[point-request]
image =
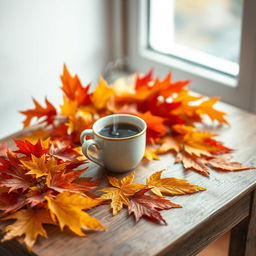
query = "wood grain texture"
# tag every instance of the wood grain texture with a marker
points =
(204, 217)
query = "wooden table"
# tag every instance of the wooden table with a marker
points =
(228, 204)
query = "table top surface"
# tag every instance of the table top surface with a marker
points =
(125, 237)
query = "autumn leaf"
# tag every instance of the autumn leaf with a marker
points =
(3, 149)
(11, 201)
(121, 190)
(27, 148)
(190, 136)
(49, 112)
(206, 108)
(149, 206)
(29, 223)
(155, 125)
(196, 151)
(73, 88)
(64, 151)
(170, 186)
(151, 153)
(41, 166)
(223, 163)
(68, 208)
(193, 162)
(101, 94)
(168, 143)
(144, 80)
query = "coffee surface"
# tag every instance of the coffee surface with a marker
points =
(120, 130)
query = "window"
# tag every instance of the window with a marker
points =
(204, 32)
(213, 43)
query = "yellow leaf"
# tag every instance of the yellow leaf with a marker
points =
(206, 108)
(41, 134)
(68, 209)
(29, 223)
(171, 186)
(123, 189)
(69, 107)
(151, 153)
(101, 94)
(40, 166)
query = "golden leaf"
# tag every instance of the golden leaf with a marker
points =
(29, 223)
(123, 189)
(168, 144)
(40, 166)
(171, 186)
(101, 94)
(68, 209)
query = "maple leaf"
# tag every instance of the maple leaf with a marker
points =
(201, 140)
(29, 223)
(49, 112)
(35, 197)
(73, 88)
(36, 135)
(151, 153)
(3, 149)
(155, 125)
(196, 151)
(64, 151)
(193, 162)
(68, 208)
(11, 201)
(144, 80)
(148, 205)
(171, 186)
(40, 166)
(223, 163)
(206, 108)
(101, 94)
(168, 143)
(27, 148)
(122, 190)
(13, 177)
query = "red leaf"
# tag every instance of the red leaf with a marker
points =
(63, 151)
(148, 205)
(49, 112)
(10, 202)
(143, 81)
(27, 148)
(3, 149)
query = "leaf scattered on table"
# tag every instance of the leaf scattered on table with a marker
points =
(149, 206)
(29, 223)
(170, 186)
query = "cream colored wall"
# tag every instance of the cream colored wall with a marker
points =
(36, 38)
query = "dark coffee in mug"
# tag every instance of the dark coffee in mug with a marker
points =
(120, 130)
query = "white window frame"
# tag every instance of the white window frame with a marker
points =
(240, 91)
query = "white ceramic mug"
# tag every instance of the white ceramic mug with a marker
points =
(115, 154)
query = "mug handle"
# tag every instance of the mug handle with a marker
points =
(87, 144)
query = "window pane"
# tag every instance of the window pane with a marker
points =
(205, 32)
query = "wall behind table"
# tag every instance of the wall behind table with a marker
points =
(36, 38)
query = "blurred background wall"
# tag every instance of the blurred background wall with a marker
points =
(36, 38)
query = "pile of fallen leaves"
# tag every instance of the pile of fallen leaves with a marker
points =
(41, 183)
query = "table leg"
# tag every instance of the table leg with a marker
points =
(243, 236)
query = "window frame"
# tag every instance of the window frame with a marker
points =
(240, 92)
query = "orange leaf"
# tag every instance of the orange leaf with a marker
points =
(49, 112)
(206, 108)
(73, 88)
(68, 208)
(171, 186)
(29, 223)
(151, 153)
(192, 162)
(122, 190)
